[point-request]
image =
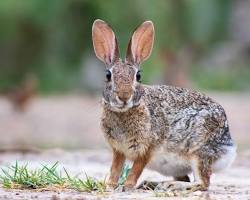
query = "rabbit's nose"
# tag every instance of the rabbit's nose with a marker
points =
(124, 96)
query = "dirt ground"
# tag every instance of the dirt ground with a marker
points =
(233, 183)
(72, 122)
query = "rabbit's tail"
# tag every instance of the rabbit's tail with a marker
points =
(226, 159)
(228, 148)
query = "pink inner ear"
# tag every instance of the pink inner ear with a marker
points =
(142, 42)
(103, 41)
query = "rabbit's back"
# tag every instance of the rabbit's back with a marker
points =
(187, 119)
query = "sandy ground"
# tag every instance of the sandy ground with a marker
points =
(233, 183)
(72, 122)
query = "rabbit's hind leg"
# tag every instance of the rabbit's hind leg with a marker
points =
(202, 170)
(152, 185)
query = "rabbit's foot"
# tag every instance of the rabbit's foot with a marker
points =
(179, 186)
(151, 185)
(111, 186)
(125, 188)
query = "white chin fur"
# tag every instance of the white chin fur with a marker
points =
(226, 160)
(118, 108)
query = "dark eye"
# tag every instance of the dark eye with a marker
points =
(138, 76)
(108, 75)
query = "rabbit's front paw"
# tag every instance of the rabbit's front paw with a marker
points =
(129, 187)
(125, 188)
(180, 187)
(111, 186)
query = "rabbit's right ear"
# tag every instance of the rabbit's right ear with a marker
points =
(104, 42)
(141, 43)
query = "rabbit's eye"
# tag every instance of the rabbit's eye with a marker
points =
(108, 75)
(138, 76)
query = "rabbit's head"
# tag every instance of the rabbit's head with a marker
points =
(122, 89)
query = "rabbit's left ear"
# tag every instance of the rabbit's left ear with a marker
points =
(141, 43)
(104, 42)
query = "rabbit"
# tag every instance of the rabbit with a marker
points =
(188, 128)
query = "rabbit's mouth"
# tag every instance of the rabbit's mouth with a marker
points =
(121, 107)
(116, 105)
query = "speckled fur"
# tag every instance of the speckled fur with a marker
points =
(182, 122)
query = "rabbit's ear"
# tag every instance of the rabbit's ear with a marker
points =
(104, 42)
(141, 43)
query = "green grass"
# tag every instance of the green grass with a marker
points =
(21, 177)
(124, 174)
(17, 176)
(88, 185)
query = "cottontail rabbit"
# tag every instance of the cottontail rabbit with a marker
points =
(138, 120)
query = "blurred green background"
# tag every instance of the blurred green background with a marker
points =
(51, 80)
(199, 43)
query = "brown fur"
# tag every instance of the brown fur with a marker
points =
(116, 168)
(137, 168)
